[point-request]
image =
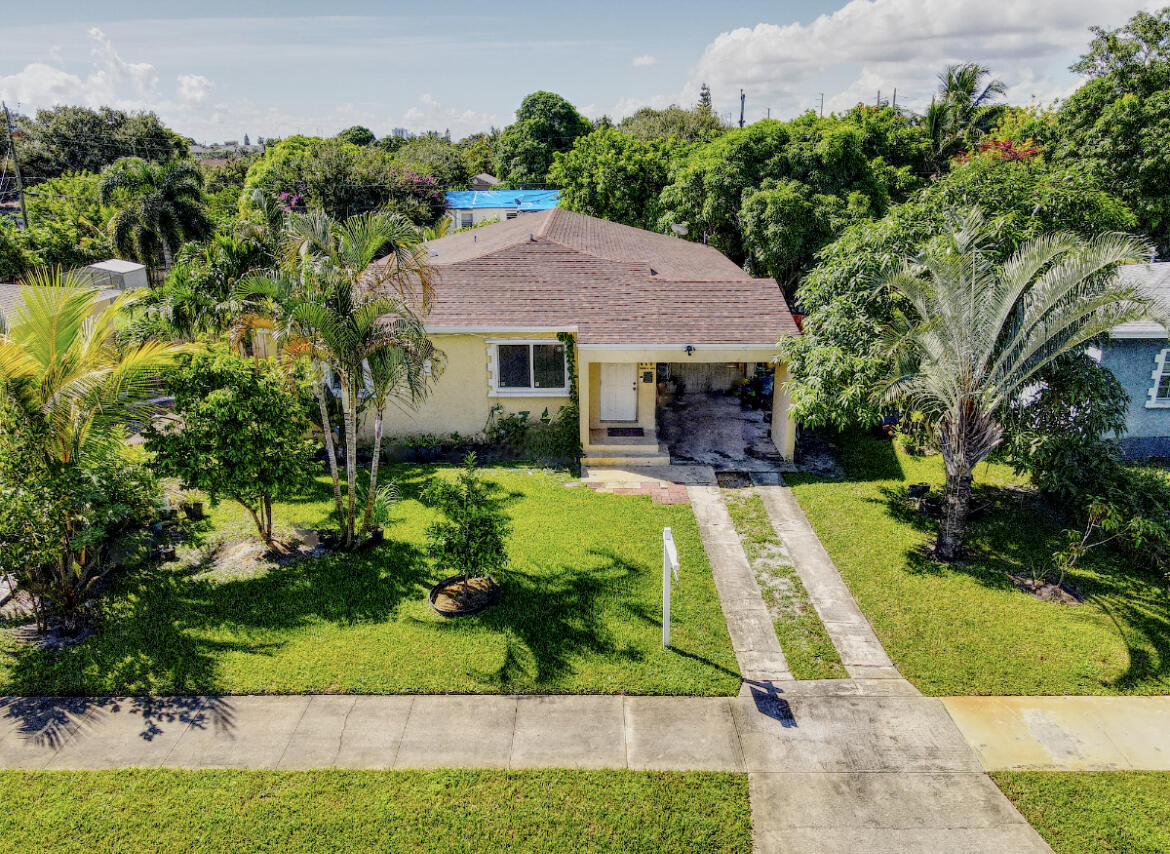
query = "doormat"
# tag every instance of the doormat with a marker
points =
(624, 432)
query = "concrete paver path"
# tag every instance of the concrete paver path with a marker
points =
(861, 652)
(1066, 733)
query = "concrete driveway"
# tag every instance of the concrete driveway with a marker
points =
(712, 429)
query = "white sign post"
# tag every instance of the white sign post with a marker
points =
(669, 567)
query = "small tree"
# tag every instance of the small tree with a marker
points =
(472, 538)
(242, 435)
(976, 335)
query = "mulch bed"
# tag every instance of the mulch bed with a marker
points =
(1049, 590)
(456, 596)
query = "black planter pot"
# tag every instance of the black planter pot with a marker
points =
(193, 509)
(487, 602)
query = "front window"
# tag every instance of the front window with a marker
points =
(1160, 390)
(466, 220)
(531, 367)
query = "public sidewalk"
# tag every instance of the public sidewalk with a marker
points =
(831, 725)
(1066, 733)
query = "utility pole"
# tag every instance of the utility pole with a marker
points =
(821, 111)
(741, 98)
(894, 103)
(15, 164)
(878, 102)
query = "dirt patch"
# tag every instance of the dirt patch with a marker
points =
(1048, 589)
(733, 479)
(458, 596)
(815, 454)
(248, 557)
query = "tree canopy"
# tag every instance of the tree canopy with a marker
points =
(79, 139)
(839, 359)
(1118, 123)
(344, 179)
(772, 193)
(616, 176)
(545, 124)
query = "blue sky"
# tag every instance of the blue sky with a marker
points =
(274, 69)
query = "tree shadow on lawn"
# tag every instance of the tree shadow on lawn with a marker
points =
(1017, 533)
(550, 619)
(153, 638)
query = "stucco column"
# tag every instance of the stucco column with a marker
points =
(584, 390)
(783, 427)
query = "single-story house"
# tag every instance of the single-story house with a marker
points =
(484, 181)
(471, 207)
(636, 304)
(116, 273)
(12, 303)
(1138, 354)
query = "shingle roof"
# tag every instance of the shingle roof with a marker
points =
(612, 283)
(1154, 279)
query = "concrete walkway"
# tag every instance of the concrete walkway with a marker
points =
(753, 637)
(836, 726)
(861, 652)
(835, 765)
(1066, 733)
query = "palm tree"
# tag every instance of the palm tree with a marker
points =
(357, 318)
(159, 207)
(963, 109)
(976, 334)
(60, 364)
(63, 373)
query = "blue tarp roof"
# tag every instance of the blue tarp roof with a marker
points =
(522, 200)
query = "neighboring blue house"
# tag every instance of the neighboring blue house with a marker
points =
(1138, 354)
(471, 207)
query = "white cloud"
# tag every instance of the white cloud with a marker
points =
(114, 81)
(429, 114)
(642, 61)
(194, 88)
(871, 45)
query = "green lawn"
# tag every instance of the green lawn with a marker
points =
(581, 611)
(1102, 812)
(360, 811)
(965, 628)
(807, 647)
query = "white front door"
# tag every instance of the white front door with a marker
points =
(619, 391)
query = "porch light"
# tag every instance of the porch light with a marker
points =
(690, 348)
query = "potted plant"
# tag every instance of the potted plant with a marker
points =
(427, 447)
(385, 497)
(191, 506)
(470, 540)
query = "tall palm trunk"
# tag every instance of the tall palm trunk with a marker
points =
(349, 416)
(330, 451)
(166, 250)
(373, 469)
(956, 506)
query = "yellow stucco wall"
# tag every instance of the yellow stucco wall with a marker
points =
(460, 398)
(589, 360)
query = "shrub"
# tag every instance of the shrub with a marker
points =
(243, 435)
(57, 525)
(472, 537)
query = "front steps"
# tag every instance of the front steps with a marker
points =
(604, 450)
